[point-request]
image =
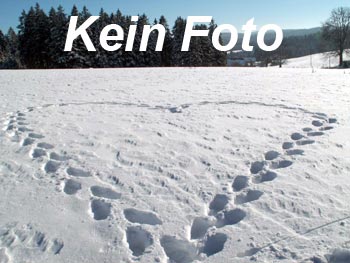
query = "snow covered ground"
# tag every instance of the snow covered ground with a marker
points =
(175, 165)
(321, 60)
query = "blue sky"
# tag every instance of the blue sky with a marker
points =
(289, 14)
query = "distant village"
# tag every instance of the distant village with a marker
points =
(240, 58)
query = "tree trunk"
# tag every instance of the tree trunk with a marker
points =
(341, 60)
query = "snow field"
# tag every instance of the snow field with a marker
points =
(231, 175)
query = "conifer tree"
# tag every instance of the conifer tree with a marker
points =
(100, 57)
(34, 34)
(141, 58)
(87, 58)
(58, 30)
(73, 57)
(178, 57)
(13, 56)
(200, 49)
(118, 58)
(79, 57)
(153, 58)
(26, 22)
(216, 57)
(3, 50)
(167, 48)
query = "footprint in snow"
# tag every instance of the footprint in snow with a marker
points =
(314, 134)
(287, 145)
(218, 203)
(317, 123)
(11, 127)
(267, 176)
(35, 136)
(37, 153)
(271, 155)
(45, 145)
(240, 182)
(101, 210)
(24, 129)
(295, 152)
(200, 226)
(327, 128)
(179, 251)
(57, 157)
(256, 167)
(138, 239)
(214, 244)
(296, 136)
(332, 120)
(28, 141)
(307, 129)
(22, 123)
(76, 172)
(305, 142)
(280, 164)
(51, 166)
(141, 217)
(104, 192)
(249, 196)
(71, 187)
(231, 217)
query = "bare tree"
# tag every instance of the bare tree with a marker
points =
(336, 30)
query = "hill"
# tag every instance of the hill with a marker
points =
(286, 32)
(320, 60)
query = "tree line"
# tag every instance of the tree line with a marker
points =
(39, 43)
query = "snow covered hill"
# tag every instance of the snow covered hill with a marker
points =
(175, 165)
(322, 60)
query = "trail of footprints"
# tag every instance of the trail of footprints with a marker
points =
(13, 236)
(43, 151)
(205, 231)
(138, 239)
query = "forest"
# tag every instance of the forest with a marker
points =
(38, 43)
